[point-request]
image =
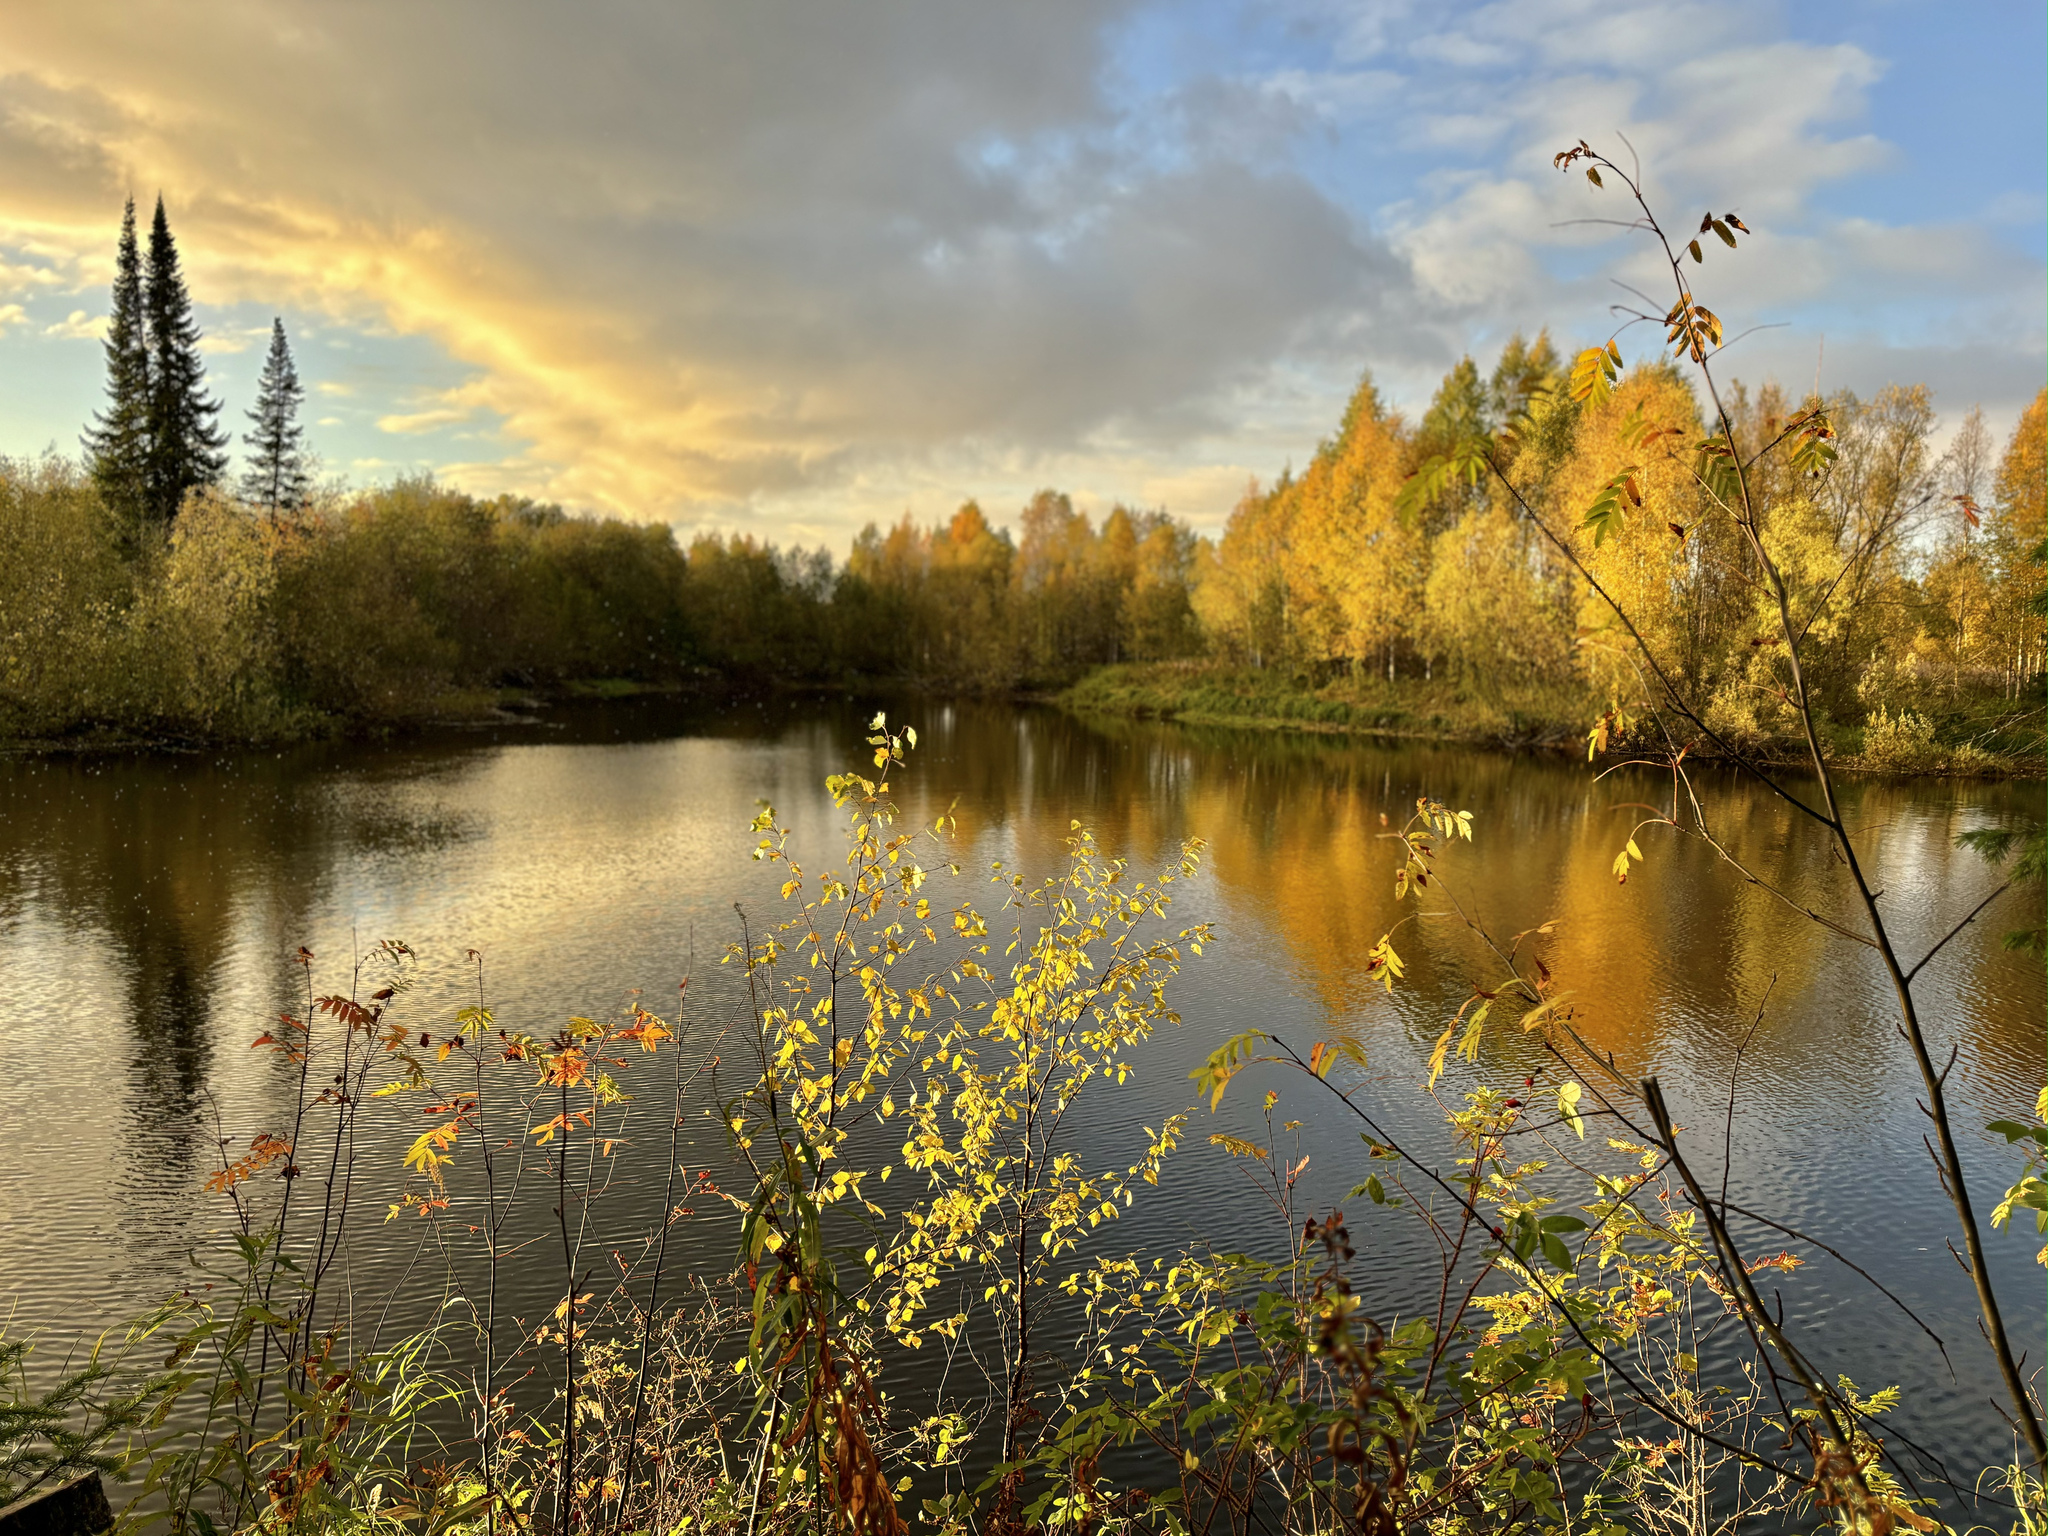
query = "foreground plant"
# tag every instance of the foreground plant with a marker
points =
(867, 994)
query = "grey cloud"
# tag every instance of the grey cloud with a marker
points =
(710, 259)
(783, 230)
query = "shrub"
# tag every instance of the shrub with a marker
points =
(1901, 743)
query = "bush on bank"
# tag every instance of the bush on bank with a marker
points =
(407, 602)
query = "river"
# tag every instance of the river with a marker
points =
(151, 908)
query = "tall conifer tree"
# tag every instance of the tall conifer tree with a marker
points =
(185, 442)
(276, 475)
(117, 442)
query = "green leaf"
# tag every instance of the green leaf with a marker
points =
(1812, 450)
(1714, 464)
(1609, 511)
(1555, 1251)
(1593, 176)
(1527, 1236)
(1423, 487)
(2014, 1130)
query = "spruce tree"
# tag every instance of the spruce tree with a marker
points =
(185, 442)
(117, 442)
(276, 475)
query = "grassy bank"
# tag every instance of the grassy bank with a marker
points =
(1986, 739)
(1216, 693)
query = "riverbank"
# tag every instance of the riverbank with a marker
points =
(1544, 717)
(435, 710)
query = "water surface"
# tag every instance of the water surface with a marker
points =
(151, 907)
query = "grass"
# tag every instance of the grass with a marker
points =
(1983, 739)
(1440, 709)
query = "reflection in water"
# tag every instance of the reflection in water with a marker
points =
(168, 971)
(151, 908)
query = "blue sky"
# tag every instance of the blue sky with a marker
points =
(784, 268)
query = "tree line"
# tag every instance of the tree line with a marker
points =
(1392, 556)
(143, 592)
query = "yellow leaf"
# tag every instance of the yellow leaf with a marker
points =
(1436, 1057)
(1568, 1107)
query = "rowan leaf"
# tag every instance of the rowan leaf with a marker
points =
(430, 1152)
(1225, 1062)
(1237, 1146)
(1441, 1050)
(1381, 961)
(1608, 514)
(1593, 374)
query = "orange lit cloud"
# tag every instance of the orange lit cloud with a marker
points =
(797, 266)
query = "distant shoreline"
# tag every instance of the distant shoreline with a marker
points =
(1200, 695)
(1220, 697)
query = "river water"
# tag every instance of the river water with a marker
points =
(151, 907)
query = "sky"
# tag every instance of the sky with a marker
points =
(785, 268)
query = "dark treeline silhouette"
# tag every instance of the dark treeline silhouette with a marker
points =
(158, 438)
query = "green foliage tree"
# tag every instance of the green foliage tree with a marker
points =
(276, 477)
(117, 442)
(186, 444)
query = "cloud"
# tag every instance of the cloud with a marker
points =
(1734, 115)
(26, 277)
(12, 314)
(78, 326)
(725, 255)
(802, 265)
(444, 408)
